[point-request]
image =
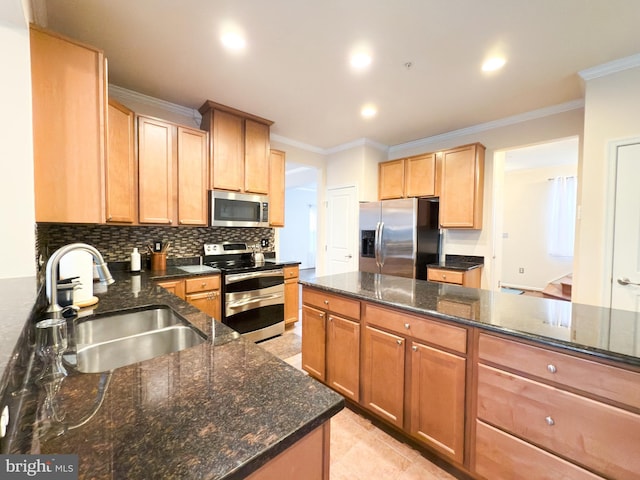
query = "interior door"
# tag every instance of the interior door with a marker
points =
(625, 286)
(342, 230)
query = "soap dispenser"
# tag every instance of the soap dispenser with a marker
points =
(135, 260)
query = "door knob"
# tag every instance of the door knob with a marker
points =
(626, 281)
(348, 256)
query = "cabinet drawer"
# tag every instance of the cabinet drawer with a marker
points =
(334, 303)
(290, 272)
(601, 437)
(500, 456)
(445, 276)
(202, 284)
(605, 381)
(444, 335)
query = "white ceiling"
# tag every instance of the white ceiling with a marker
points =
(295, 70)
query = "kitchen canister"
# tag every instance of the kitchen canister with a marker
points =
(78, 263)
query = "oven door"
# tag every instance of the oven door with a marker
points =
(254, 303)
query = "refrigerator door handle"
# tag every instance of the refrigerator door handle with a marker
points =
(379, 230)
(375, 245)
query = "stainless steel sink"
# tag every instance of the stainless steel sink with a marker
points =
(116, 340)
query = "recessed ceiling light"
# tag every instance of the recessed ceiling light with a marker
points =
(493, 64)
(360, 60)
(369, 111)
(234, 41)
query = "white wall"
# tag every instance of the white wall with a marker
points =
(612, 106)
(527, 132)
(527, 204)
(295, 237)
(17, 211)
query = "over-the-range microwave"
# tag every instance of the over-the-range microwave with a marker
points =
(231, 209)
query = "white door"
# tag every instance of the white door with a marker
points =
(342, 230)
(625, 285)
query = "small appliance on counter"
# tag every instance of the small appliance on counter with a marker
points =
(252, 290)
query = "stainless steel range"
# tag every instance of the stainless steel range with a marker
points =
(252, 290)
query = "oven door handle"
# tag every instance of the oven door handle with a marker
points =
(256, 299)
(238, 277)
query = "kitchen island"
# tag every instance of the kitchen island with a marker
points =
(224, 409)
(493, 383)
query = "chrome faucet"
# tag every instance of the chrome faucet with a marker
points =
(51, 276)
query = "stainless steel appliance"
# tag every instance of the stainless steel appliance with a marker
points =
(231, 209)
(399, 237)
(252, 291)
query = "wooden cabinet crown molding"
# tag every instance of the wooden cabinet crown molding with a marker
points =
(211, 105)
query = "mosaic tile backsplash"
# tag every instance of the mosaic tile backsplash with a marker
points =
(116, 242)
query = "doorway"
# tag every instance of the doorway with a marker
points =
(527, 230)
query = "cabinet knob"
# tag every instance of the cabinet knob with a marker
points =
(551, 368)
(407, 326)
(414, 348)
(322, 315)
(444, 276)
(399, 342)
(109, 219)
(549, 421)
(326, 302)
(204, 284)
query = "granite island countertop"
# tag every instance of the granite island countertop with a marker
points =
(219, 410)
(602, 332)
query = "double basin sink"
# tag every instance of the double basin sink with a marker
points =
(114, 340)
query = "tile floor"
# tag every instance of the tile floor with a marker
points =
(362, 451)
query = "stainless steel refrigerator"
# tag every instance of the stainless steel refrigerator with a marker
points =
(399, 237)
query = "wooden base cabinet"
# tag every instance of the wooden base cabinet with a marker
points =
(314, 342)
(291, 294)
(343, 356)
(467, 278)
(438, 399)
(203, 292)
(383, 366)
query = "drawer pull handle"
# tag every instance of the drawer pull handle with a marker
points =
(551, 368)
(549, 421)
(399, 342)
(407, 326)
(414, 348)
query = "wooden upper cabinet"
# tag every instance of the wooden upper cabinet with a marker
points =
(227, 141)
(192, 176)
(256, 151)
(121, 166)
(239, 148)
(69, 104)
(391, 179)
(408, 177)
(156, 166)
(276, 186)
(420, 176)
(462, 187)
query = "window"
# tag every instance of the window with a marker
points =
(563, 216)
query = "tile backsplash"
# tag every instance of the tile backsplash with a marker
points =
(116, 242)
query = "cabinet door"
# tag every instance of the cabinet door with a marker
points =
(420, 176)
(192, 176)
(276, 188)
(228, 151)
(462, 187)
(174, 286)
(383, 374)
(313, 342)
(391, 179)
(207, 302)
(155, 164)
(291, 302)
(437, 399)
(121, 166)
(256, 150)
(69, 104)
(343, 356)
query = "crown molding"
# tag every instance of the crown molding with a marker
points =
(609, 68)
(125, 94)
(503, 122)
(300, 145)
(360, 142)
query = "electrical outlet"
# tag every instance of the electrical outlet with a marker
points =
(521, 270)
(264, 243)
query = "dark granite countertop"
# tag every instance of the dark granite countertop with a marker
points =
(602, 332)
(218, 410)
(459, 262)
